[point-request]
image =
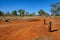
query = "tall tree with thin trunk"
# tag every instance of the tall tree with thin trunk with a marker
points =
(14, 13)
(7, 14)
(1, 13)
(22, 12)
(42, 13)
(55, 9)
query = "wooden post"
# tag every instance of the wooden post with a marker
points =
(50, 24)
(44, 21)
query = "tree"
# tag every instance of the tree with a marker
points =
(46, 14)
(7, 14)
(21, 11)
(30, 14)
(27, 14)
(41, 12)
(1, 13)
(14, 13)
(55, 9)
(33, 13)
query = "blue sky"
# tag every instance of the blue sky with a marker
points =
(27, 5)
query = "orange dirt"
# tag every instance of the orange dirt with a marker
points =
(29, 29)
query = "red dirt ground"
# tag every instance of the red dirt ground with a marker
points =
(29, 29)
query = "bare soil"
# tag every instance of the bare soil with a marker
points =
(30, 29)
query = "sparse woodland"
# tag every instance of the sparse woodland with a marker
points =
(55, 11)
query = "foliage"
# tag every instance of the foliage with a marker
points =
(32, 14)
(14, 13)
(1, 13)
(21, 11)
(27, 14)
(42, 13)
(55, 8)
(8, 14)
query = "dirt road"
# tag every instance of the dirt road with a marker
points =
(28, 30)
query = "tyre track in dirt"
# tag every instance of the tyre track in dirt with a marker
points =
(18, 32)
(28, 30)
(19, 35)
(7, 36)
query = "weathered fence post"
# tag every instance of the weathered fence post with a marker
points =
(50, 24)
(44, 21)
